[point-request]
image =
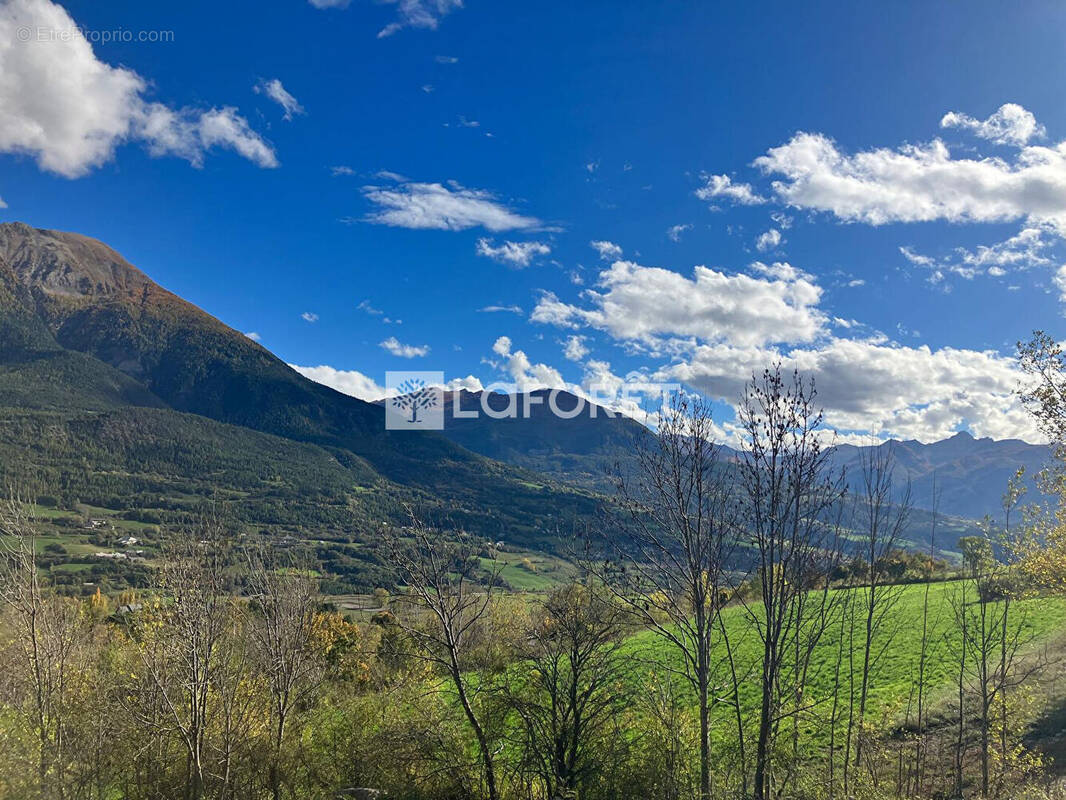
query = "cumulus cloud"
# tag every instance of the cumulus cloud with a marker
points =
(517, 254)
(880, 388)
(255, 337)
(425, 14)
(438, 207)
(526, 375)
(575, 348)
(722, 186)
(309, 316)
(350, 382)
(397, 348)
(919, 183)
(70, 111)
(1010, 124)
(768, 240)
(719, 329)
(645, 303)
(275, 91)
(607, 250)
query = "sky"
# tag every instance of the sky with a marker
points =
(574, 194)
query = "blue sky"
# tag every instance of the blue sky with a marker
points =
(356, 183)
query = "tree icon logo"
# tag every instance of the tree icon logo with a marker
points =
(415, 397)
(415, 401)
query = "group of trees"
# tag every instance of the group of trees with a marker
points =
(723, 636)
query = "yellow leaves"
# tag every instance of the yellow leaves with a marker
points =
(332, 633)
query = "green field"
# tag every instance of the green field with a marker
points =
(893, 675)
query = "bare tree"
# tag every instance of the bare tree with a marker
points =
(567, 698)
(670, 546)
(182, 642)
(923, 651)
(50, 630)
(789, 498)
(883, 519)
(283, 636)
(441, 578)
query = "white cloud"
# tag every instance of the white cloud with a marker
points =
(397, 348)
(70, 111)
(255, 337)
(1059, 279)
(309, 316)
(496, 309)
(365, 305)
(518, 254)
(575, 348)
(919, 183)
(768, 240)
(1024, 250)
(355, 383)
(446, 60)
(719, 330)
(2, 203)
(1027, 249)
(425, 14)
(879, 388)
(607, 250)
(350, 382)
(341, 170)
(783, 220)
(524, 374)
(1010, 124)
(674, 232)
(275, 91)
(438, 207)
(329, 3)
(916, 258)
(469, 384)
(716, 186)
(644, 303)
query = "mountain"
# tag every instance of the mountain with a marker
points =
(970, 474)
(576, 445)
(83, 332)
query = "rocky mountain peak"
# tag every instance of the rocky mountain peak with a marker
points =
(68, 265)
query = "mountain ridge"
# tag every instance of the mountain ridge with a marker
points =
(72, 295)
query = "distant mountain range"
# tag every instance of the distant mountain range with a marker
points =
(117, 393)
(970, 475)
